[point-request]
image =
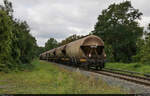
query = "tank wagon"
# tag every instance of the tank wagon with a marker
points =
(87, 52)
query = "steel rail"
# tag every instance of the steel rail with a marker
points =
(128, 77)
(125, 77)
(127, 71)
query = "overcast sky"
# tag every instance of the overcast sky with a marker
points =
(61, 18)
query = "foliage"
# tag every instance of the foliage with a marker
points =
(118, 27)
(140, 46)
(108, 51)
(5, 40)
(26, 44)
(39, 50)
(50, 44)
(143, 55)
(17, 45)
(47, 78)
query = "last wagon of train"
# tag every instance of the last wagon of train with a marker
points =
(85, 52)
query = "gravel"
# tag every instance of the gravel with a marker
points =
(126, 86)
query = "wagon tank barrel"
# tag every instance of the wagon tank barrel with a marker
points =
(89, 49)
(81, 48)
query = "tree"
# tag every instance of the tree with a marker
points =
(17, 45)
(143, 48)
(7, 8)
(39, 50)
(145, 58)
(118, 27)
(147, 33)
(50, 44)
(5, 40)
(26, 43)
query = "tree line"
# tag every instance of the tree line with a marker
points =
(17, 45)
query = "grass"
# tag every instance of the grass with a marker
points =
(47, 78)
(137, 67)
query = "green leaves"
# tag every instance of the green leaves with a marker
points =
(17, 45)
(50, 44)
(143, 50)
(118, 27)
(5, 39)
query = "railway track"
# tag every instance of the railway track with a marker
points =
(135, 77)
(131, 76)
(128, 77)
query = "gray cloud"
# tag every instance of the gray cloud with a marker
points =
(62, 18)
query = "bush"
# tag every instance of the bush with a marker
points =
(143, 55)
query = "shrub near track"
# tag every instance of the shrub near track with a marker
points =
(47, 78)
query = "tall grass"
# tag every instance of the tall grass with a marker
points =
(47, 78)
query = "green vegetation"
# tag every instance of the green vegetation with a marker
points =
(47, 78)
(118, 27)
(143, 55)
(137, 67)
(17, 45)
(5, 40)
(50, 44)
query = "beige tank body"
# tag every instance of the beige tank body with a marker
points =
(43, 55)
(73, 49)
(51, 52)
(59, 50)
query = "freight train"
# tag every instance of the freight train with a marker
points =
(85, 52)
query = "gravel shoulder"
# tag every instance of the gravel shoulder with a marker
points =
(125, 85)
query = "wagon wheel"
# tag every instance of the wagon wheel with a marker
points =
(87, 66)
(71, 61)
(76, 62)
(97, 67)
(100, 68)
